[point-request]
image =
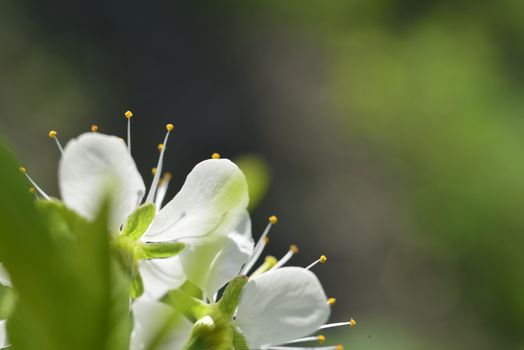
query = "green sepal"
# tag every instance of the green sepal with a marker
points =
(239, 341)
(139, 221)
(137, 286)
(210, 333)
(192, 308)
(159, 250)
(214, 329)
(231, 297)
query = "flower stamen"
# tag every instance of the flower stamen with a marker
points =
(332, 301)
(215, 156)
(154, 185)
(293, 249)
(351, 323)
(40, 191)
(33, 191)
(94, 128)
(53, 134)
(128, 115)
(162, 190)
(322, 260)
(320, 338)
(333, 347)
(259, 247)
(268, 264)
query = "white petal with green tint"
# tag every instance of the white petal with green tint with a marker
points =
(281, 305)
(235, 252)
(211, 202)
(211, 262)
(91, 165)
(149, 317)
(160, 275)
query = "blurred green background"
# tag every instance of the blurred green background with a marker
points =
(392, 129)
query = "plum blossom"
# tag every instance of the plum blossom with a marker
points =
(277, 306)
(208, 214)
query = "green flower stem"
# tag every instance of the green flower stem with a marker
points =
(194, 309)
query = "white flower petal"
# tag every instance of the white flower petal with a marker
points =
(149, 317)
(281, 305)
(160, 275)
(211, 201)
(211, 262)
(90, 164)
(4, 342)
(237, 249)
(5, 279)
(197, 257)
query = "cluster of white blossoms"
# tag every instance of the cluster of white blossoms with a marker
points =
(194, 256)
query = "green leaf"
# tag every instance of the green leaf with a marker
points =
(231, 297)
(138, 222)
(61, 221)
(71, 294)
(160, 250)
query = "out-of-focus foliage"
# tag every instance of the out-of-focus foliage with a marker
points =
(70, 293)
(437, 88)
(258, 176)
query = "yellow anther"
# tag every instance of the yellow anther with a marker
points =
(52, 134)
(32, 190)
(339, 347)
(321, 338)
(170, 127)
(332, 301)
(270, 260)
(352, 322)
(293, 248)
(22, 170)
(128, 114)
(94, 128)
(265, 239)
(273, 219)
(153, 171)
(323, 259)
(165, 178)
(215, 156)
(160, 146)
(267, 265)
